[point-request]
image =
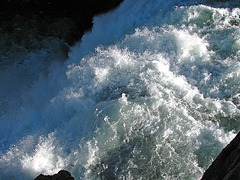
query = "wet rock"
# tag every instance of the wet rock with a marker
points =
(50, 26)
(61, 175)
(227, 164)
(49, 16)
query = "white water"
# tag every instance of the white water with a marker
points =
(151, 93)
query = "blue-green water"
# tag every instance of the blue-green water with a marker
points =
(152, 92)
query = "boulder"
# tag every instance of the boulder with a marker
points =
(61, 175)
(227, 164)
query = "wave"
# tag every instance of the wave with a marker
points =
(151, 92)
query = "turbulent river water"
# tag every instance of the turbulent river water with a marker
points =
(152, 92)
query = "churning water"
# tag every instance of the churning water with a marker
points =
(153, 92)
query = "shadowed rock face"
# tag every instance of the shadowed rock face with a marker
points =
(61, 175)
(78, 13)
(40, 25)
(227, 165)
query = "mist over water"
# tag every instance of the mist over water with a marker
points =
(151, 93)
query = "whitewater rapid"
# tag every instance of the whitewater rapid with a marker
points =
(152, 92)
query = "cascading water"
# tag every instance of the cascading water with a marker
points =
(153, 92)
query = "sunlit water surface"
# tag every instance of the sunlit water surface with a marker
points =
(153, 92)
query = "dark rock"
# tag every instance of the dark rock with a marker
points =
(227, 164)
(51, 26)
(61, 175)
(45, 12)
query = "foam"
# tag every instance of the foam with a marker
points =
(154, 97)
